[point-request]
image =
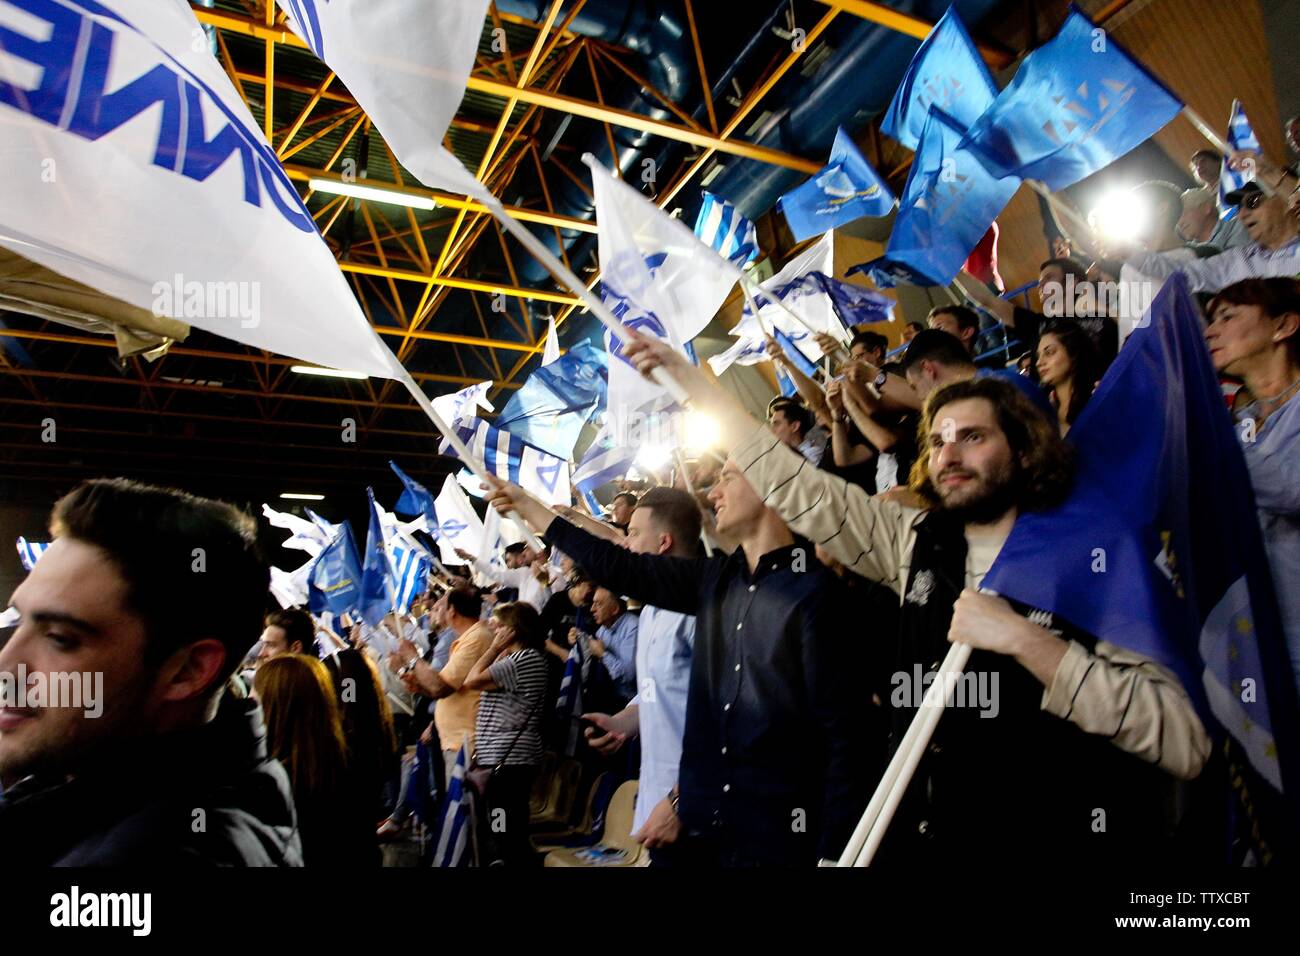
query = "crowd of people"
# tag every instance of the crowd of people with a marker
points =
(742, 641)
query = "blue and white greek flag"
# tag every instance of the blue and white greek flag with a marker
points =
(1241, 136)
(568, 706)
(604, 461)
(453, 829)
(721, 226)
(512, 459)
(29, 551)
(410, 573)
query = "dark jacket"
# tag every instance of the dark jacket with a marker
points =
(204, 797)
(778, 748)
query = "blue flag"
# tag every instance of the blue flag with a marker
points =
(376, 597)
(785, 383)
(510, 458)
(1241, 136)
(722, 228)
(854, 304)
(568, 705)
(453, 830)
(800, 361)
(947, 72)
(415, 500)
(548, 412)
(334, 583)
(947, 207)
(847, 188)
(1077, 104)
(1158, 548)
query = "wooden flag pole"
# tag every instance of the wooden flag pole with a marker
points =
(1222, 146)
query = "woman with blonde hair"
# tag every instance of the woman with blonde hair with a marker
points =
(304, 731)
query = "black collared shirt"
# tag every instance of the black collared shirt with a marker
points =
(778, 748)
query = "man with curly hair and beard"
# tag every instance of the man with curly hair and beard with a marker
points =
(1070, 748)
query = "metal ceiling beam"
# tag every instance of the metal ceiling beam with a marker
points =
(553, 101)
(474, 285)
(911, 25)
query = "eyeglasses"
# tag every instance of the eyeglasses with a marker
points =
(1253, 200)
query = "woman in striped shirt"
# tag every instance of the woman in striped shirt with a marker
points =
(512, 676)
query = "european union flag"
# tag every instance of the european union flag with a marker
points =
(548, 412)
(1077, 104)
(947, 207)
(334, 582)
(947, 72)
(1241, 136)
(846, 189)
(415, 500)
(1158, 549)
(376, 597)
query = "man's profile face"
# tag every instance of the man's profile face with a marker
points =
(604, 608)
(736, 505)
(947, 322)
(643, 537)
(74, 622)
(860, 353)
(1205, 170)
(784, 429)
(274, 643)
(971, 462)
(621, 510)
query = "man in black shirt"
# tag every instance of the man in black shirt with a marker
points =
(777, 752)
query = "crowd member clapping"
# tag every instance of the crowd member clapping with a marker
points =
(304, 731)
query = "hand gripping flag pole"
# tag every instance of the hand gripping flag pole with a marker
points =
(753, 307)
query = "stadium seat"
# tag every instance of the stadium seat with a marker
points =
(617, 839)
(562, 793)
(542, 785)
(590, 827)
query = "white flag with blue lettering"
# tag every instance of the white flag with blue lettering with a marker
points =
(512, 459)
(131, 165)
(406, 62)
(459, 525)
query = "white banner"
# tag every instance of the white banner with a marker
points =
(459, 525)
(130, 164)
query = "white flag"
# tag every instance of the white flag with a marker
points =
(463, 404)
(552, 350)
(289, 588)
(307, 535)
(656, 277)
(131, 165)
(406, 63)
(459, 525)
(497, 533)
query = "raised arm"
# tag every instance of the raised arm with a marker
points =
(809, 390)
(996, 306)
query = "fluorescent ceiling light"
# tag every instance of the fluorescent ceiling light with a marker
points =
(326, 372)
(357, 191)
(297, 496)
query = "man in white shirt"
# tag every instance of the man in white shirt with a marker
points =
(525, 571)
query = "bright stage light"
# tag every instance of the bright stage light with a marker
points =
(1120, 216)
(702, 431)
(301, 496)
(326, 372)
(357, 191)
(654, 456)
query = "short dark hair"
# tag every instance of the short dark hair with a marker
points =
(1275, 296)
(156, 538)
(628, 496)
(792, 410)
(525, 620)
(1043, 459)
(869, 340)
(1156, 191)
(1206, 153)
(935, 345)
(466, 602)
(967, 318)
(677, 512)
(515, 548)
(297, 626)
(917, 326)
(1068, 266)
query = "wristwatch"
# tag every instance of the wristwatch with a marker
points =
(407, 667)
(879, 381)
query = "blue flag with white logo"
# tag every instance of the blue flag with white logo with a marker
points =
(722, 228)
(334, 582)
(556, 400)
(1158, 549)
(512, 459)
(415, 499)
(376, 597)
(1077, 104)
(947, 72)
(1241, 136)
(847, 188)
(947, 207)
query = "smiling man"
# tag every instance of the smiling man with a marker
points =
(174, 771)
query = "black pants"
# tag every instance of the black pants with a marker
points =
(505, 830)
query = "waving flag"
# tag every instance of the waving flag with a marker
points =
(947, 72)
(846, 189)
(306, 535)
(411, 565)
(406, 63)
(29, 551)
(376, 597)
(1163, 499)
(498, 532)
(454, 828)
(194, 217)
(334, 582)
(797, 358)
(568, 705)
(290, 588)
(551, 352)
(605, 460)
(556, 400)
(1241, 136)
(420, 797)
(415, 499)
(947, 207)
(656, 277)
(1077, 104)
(463, 404)
(459, 525)
(723, 229)
(510, 458)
